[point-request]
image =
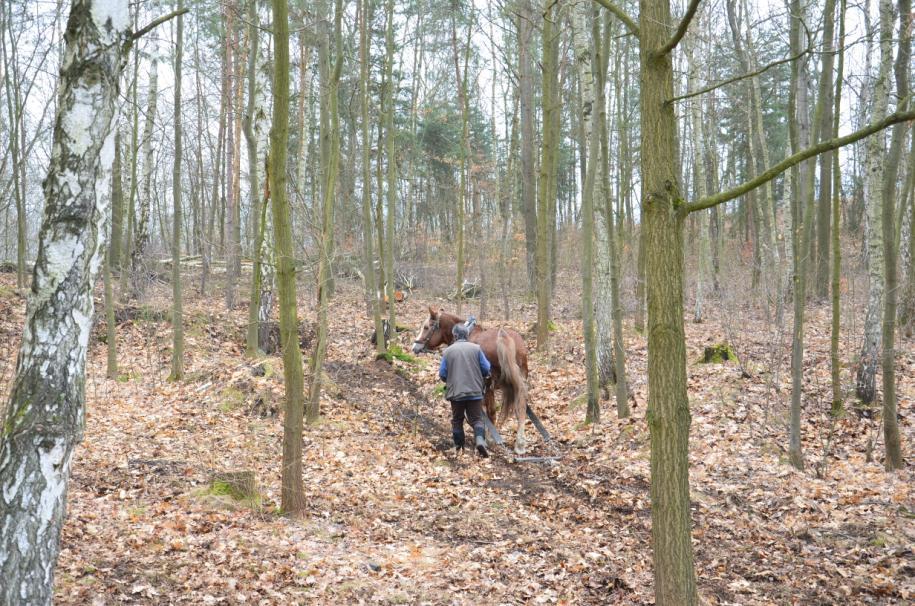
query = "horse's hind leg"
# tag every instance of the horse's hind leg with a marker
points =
(489, 406)
(520, 410)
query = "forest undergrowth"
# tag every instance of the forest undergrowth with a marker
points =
(394, 517)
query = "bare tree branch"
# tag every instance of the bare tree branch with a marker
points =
(681, 29)
(628, 21)
(718, 85)
(800, 156)
(156, 23)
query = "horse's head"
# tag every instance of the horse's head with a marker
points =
(432, 333)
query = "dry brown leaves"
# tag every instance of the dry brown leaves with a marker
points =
(394, 518)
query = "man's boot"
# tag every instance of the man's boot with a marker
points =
(458, 437)
(480, 440)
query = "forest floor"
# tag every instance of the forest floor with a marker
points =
(394, 517)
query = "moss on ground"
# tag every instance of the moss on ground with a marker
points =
(718, 354)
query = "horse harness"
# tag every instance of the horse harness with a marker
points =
(425, 342)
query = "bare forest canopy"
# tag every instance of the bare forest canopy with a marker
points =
(697, 215)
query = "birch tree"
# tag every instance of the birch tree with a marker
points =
(866, 375)
(888, 192)
(44, 417)
(611, 353)
(836, 216)
(581, 10)
(255, 127)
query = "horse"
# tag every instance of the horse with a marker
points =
(507, 354)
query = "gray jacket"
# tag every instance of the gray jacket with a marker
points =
(463, 367)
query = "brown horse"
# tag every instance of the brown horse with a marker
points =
(507, 354)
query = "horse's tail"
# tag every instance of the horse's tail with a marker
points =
(511, 374)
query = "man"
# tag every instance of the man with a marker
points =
(464, 368)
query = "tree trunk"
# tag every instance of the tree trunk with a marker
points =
(15, 138)
(835, 362)
(711, 176)
(371, 285)
(614, 234)
(177, 373)
(117, 204)
(505, 191)
(603, 228)
(116, 201)
(232, 253)
(313, 411)
(216, 170)
(252, 126)
(802, 217)
(668, 413)
(866, 376)
(581, 11)
(766, 243)
(698, 136)
(391, 174)
(528, 139)
(306, 77)
(891, 440)
(138, 272)
(547, 176)
(825, 200)
(639, 320)
(45, 414)
(125, 262)
(907, 306)
(461, 80)
(293, 491)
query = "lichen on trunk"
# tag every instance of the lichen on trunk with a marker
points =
(43, 420)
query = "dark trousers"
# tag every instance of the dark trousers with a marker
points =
(474, 411)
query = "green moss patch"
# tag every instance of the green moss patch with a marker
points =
(718, 354)
(395, 352)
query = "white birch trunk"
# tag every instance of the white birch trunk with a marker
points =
(603, 307)
(44, 418)
(583, 59)
(261, 133)
(866, 376)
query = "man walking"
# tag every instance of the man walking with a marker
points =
(464, 368)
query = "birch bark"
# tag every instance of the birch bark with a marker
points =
(583, 56)
(866, 375)
(43, 420)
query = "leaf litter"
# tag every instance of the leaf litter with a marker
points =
(394, 517)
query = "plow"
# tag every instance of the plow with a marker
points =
(541, 429)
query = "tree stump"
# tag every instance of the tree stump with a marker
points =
(239, 485)
(718, 354)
